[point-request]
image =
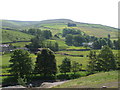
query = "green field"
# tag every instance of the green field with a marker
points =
(21, 44)
(10, 36)
(108, 79)
(59, 57)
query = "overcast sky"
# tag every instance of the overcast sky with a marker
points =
(103, 12)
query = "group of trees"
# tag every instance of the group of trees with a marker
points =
(99, 43)
(70, 31)
(76, 37)
(71, 25)
(22, 65)
(45, 65)
(104, 61)
(75, 40)
(47, 34)
(40, 40)
(78, 40)
(53, 45)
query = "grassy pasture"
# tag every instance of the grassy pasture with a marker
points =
(61, 43)
(90, 29)
(98, 32)
(85, 53)
(109, 79)
(10, 36)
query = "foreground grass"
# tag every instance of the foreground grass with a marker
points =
(109, 79)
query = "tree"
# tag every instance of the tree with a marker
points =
(116, 44)
(34, 31)
(56, 46)
(71, 25)
(76, 67)
(106, 59)
(21, 63)
(108, 36)
(92, 65)
(78, 40)
(97, 44)
(110, 44)
(69, 39)
(118, 61)
(70, 31)
(36, 42)
(47, 34)
(46, 63)
(103, 42)
(53, 45)
(65, 66)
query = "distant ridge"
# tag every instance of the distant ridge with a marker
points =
(19, 24)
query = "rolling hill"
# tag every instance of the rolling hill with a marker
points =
(56, 26)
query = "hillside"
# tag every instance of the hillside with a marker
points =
(109, 79)
(13, 24)
(56, 26)
(10, 36)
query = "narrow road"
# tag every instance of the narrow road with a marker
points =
(50, 85)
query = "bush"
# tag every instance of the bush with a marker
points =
(22, 81)
(81, 55)
(8, 81)
(71, 75)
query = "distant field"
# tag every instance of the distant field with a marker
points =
(75, 52)
(98, 32)
(108, 79)
(21, 44)
(94, 30)
(61, 43)
(10, 36)
(81, 60)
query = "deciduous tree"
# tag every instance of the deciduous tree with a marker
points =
(46, 63)
(21, 63)
(65, 66)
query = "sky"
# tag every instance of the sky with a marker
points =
(103, 12)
